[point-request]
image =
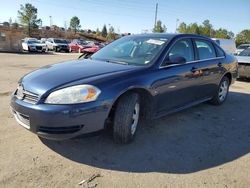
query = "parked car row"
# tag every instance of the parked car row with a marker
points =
(60, 45)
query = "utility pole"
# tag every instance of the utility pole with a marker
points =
(156, 12)
(177, 20)
(50, 20)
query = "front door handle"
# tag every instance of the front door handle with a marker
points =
(219, 64)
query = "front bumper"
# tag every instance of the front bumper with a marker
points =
(244, 70)
(37, 48)
(60, 121)
(62, 48)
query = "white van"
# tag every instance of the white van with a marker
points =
(227, 44)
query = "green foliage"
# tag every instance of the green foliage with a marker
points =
(98, 33)
(159, 28)
(206, 29)
(223, 33)
(28, 17)
(15, 25)
(111, 34)
(104, 31)
(75, 24)
(243, 37)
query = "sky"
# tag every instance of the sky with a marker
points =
(136, 16)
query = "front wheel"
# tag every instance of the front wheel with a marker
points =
(126, 118)
(222, 92)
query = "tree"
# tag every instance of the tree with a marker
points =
(111, 34)
(223, 33)
(159, 28)
(182, 28)
(243, 37)
(75, 24)
(28, 17)
(98, 33)
(205, 29)
(6, 24)
(10, 21)
(193, 28)
(104, 31)
(15, 25)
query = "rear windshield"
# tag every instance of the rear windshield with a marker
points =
(245, 53)
(243, 47)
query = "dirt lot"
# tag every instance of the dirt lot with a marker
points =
(205, 146)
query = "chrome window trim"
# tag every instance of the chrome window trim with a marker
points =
(189, 62)
(196, 61)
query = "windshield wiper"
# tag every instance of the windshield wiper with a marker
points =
(117, 62)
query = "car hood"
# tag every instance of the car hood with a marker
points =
(243, 59)
(52, 76)
(36, 44)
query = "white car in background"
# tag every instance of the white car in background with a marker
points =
(226, 44)
(241, 48)
(33, 45)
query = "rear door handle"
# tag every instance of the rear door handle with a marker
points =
(194, 69)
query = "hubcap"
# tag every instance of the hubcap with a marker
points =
(135, 118)
(223, 90)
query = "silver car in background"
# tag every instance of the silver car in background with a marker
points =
(241, 48)
(244, 63)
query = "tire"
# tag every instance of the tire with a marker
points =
(222, 92)
(126, 118)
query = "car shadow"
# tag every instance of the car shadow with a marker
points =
(243, 80)
(29, 53)
(195, 139)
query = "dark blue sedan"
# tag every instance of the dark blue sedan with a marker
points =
(136, 77)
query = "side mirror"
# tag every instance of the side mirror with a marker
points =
(174, 59)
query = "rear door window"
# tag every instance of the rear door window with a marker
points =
(220, 52)
(205, 49)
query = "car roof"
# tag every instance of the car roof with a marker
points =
(169, 35)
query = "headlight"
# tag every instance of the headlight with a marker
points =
(73, 95)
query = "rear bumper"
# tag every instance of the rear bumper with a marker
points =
(244, 70)
(60, 121)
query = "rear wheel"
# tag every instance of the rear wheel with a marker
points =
(222, 92)
(126, 118)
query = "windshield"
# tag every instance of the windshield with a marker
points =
(131, 50)
(32, 41)
(245, 53)
(60, 41)
(82, 42)
(242, 47)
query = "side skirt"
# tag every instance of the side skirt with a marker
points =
(164, 113)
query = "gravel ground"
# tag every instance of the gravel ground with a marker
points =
(204, 146)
